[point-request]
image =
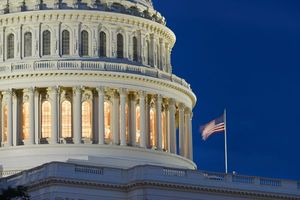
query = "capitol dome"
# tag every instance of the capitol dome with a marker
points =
(90, 81)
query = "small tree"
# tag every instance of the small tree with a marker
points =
(14, 193)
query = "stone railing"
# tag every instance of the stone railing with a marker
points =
(250, 180)
(7, 68)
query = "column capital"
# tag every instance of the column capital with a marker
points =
(77, 89)
(171, 102)
(100, 90)
(30, 90)
(8, 92)
(142, 94)
(53, 90)
(181, 107)
(123, 91)
(158, 98)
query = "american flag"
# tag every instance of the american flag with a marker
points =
(215, 126)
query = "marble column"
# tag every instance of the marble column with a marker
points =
(101, 125)
(53, 94)
(158, 122)
(172, 126)
(190, 156)
(132, 119)
(8, 97)
(77, 126)
(123, 95)
(186, 132)
(116, 118)
(37, 116)
(181, 129)
(142, 119)
(15, 118)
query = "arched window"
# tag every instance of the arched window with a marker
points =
(25, 121)
(84, 43)
(102, 46)
(107, 122)
(46, 43)
(87, 119)
(27, 44)
(66, 119)
(5, 124)
(10, 46)
(65, 42)
(148, 52)
(138, 123)
(135, 49)
(120, 46)
(46, 119)
(152, 127)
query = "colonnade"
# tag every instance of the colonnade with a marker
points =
(85, 115)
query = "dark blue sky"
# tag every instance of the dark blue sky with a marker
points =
(243, 55)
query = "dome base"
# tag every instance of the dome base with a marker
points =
(27, 157)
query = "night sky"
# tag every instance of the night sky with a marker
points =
(243, 55)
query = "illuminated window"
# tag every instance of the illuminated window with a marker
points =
(84, 43)
(107, 122)
(164, 130)
(46, 43)
(135, 49)
(5, 124)
(66, 119)
(152, 127)
(138, 123)
(25, 121)
(87, 119)
(102, 48)
(10, 46)
(120, 46)
(46, 119)
(65, 42)
(27, 44)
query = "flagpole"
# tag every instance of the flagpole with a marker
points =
(225, 141)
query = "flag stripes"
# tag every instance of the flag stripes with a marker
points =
(215, 126)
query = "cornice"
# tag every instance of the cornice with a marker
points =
(110, 75)
(51, 181)
(90, 16)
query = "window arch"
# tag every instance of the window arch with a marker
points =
(46, 119)
(46, 43)
(25, 121)
(27, 44)
(102, 45)
(65, 42)
(10, 46)
(120, 46)
(135, 49)
(107, 121)
(5, 124)
(86, 119)
(66, 119)
(84, 43)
